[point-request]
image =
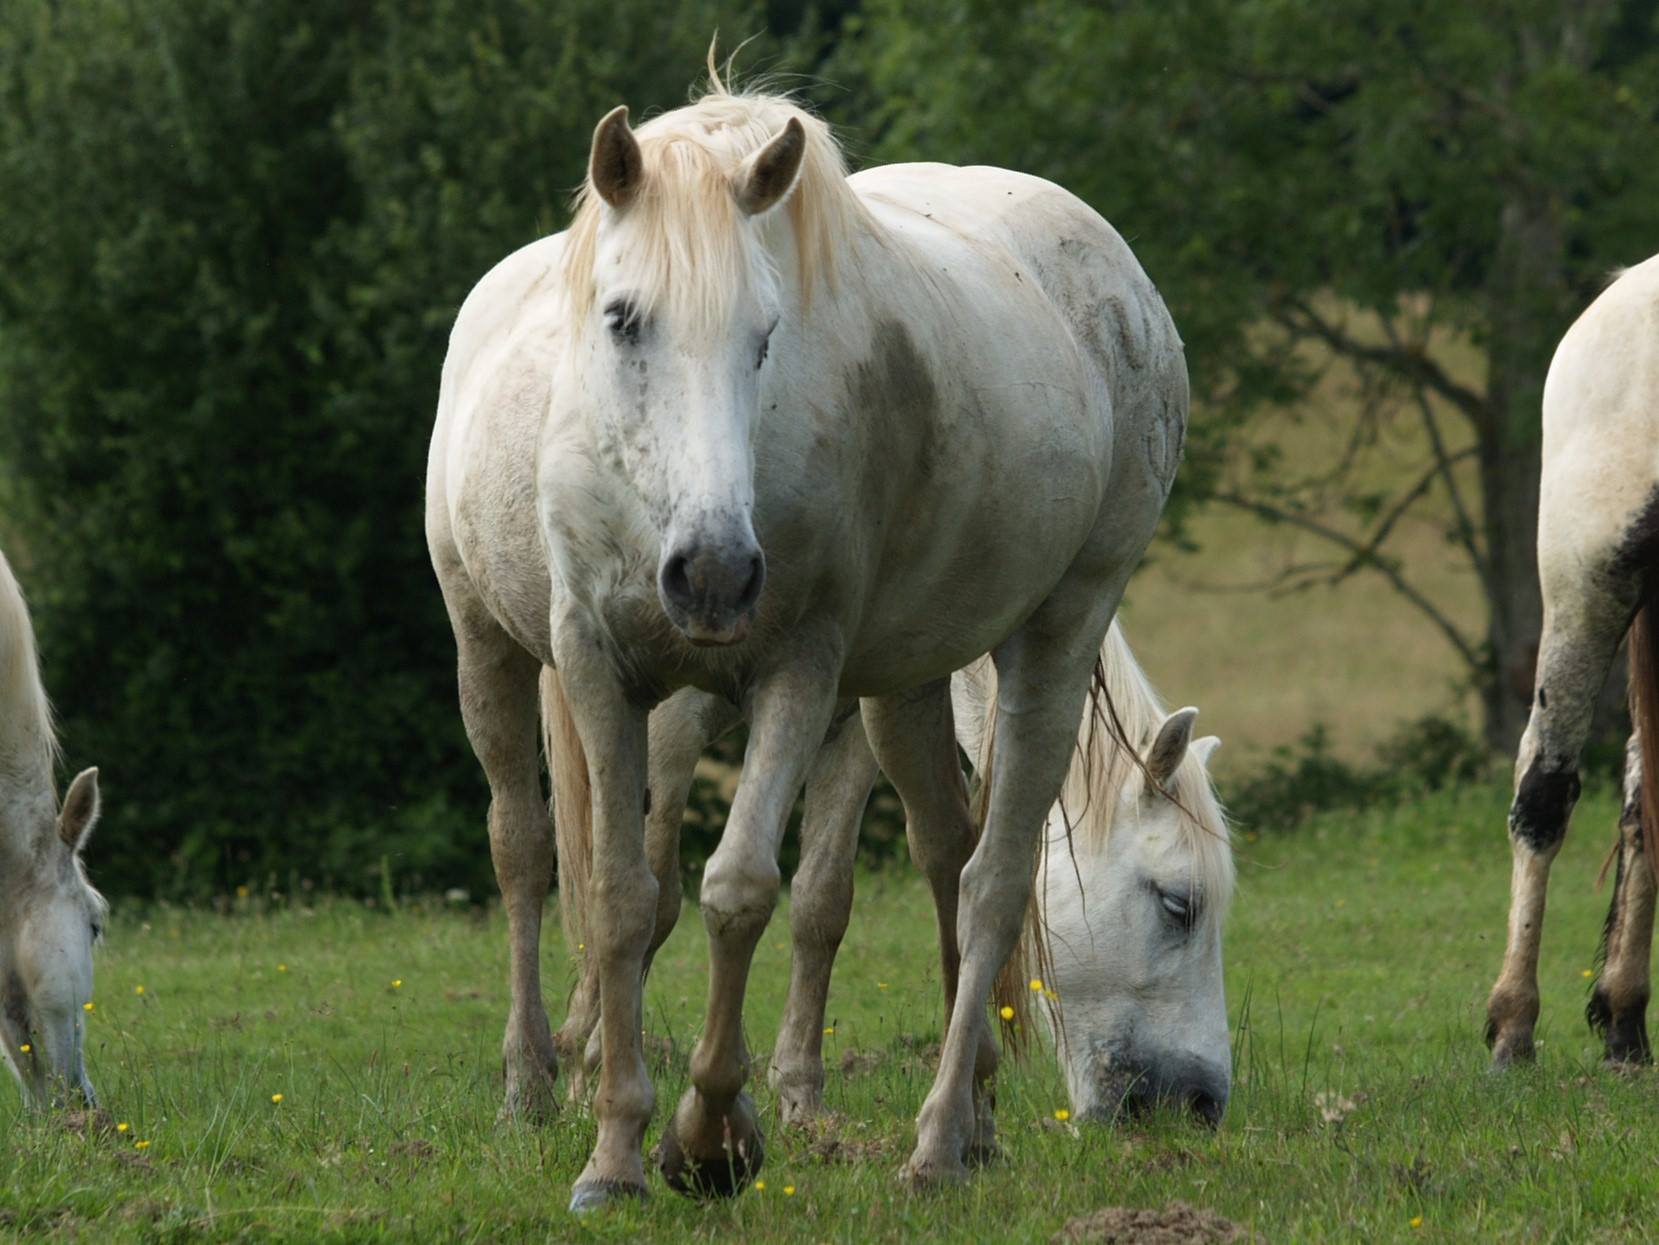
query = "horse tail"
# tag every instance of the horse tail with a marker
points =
(571, 806)
(1644, 712)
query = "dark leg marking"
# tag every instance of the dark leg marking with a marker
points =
(1542, 804)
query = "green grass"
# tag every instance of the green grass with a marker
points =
(1358, 957)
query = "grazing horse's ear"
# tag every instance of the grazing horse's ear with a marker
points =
(615, 166)
(80, 810)
(1170, 745)
(1205, 748)
(768, 176)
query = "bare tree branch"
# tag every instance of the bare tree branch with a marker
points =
(1367, 553)
(1414, 364)
(1427, 607)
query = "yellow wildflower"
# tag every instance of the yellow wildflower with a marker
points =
(397, 983)
(241, 892)
(121, 1128)
(1062, 1115)
(760, 1186)
(138, 989)
(1417, 1221)
(1007, 1013)
(25, 1048)
(276, 1097)
(87, 1006)
(789, 1190)
(829, 1030)
(1588, 972)
(881, 985)
(1037, 984)
(282, 968)
(140, 1145)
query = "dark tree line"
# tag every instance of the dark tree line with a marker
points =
(233, 237)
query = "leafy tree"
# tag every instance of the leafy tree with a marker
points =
(1374, 178)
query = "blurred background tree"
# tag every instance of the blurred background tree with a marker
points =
(233, 237)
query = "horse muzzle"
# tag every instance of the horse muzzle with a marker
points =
(1133, 1086)
(710, 589)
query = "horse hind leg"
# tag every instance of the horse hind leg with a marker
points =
(1617, 1009)
(1586, 619)
(498, 688)
(917, 746)
(821, 902)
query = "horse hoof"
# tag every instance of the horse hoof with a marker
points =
(598, 1194)
(725, 1175)
(922, 1174)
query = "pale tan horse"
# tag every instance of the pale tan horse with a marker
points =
(790, 438)
(1598, 564)
(50, 917)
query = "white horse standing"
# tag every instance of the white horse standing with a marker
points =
(50, 916)
(797, 437)
(1598, 564)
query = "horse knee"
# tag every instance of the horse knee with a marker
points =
(739, 895)
(1544, 800)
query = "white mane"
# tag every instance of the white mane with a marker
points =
(1089, 797)
(28, 743)
(692, 258)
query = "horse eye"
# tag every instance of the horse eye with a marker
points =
(1178, 908)
(622, 318)
(97, 932)
(765, 344)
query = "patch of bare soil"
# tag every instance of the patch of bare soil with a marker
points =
(1176, 1224)
(88, 1123)
(830, 1138)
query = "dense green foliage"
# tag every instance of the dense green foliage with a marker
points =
(1357, 955)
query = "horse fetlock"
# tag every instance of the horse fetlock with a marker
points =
(1622, 1025)
(798, 1085)
(1511, 1014)
(705, 1152)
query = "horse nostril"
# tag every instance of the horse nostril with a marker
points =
(751, 587)
(676, 582)
(1207, 1109)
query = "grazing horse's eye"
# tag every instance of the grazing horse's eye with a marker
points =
(765, 343)
(623, 320)
(97, 931)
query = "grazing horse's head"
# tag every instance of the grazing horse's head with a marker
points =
(693, 242)
(1136, 951)
(50, 918)
(49, 914)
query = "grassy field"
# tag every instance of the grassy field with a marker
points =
(1358, 956)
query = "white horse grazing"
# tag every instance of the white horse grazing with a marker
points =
(50, 916)
(796, 438)
(1598, 563)
(1126, 932)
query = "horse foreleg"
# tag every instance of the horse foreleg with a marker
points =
(915, 736)
(621, 910)
(821, 902)
(1584, 622)
(681, 727)
(1618, 1001)
(714, 1144)
(1043, 677)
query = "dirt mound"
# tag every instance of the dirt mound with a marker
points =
(1175, 1224)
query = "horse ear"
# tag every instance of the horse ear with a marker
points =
(1170, 745)
(81, 806)
(1205, 748)
(768, 176)
(615, 166)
